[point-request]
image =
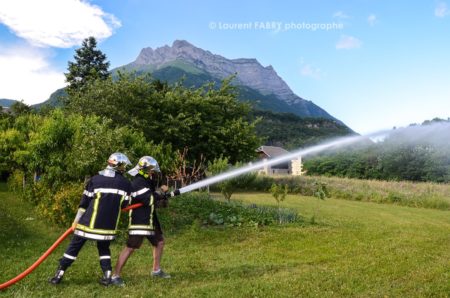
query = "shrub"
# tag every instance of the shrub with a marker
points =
(15, 181)
(198, 207)
(279, 192)
(62, 206)
(229, 186)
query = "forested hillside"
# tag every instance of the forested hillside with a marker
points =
(291, 132)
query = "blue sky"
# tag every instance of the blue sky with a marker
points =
(379, 64)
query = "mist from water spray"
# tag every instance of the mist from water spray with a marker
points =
(437, 133)
(334, 144)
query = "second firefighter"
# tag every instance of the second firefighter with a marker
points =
(144, 221)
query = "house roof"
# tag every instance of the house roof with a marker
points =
(272, 151)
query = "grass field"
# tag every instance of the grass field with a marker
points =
(404, 193)
(355, 249)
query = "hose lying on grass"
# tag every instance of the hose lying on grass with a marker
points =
(49, 251)
(197, 185)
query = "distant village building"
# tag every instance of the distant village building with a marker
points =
(297, 166)
(5, 109)
(292, 167)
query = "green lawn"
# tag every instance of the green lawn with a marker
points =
(355, 249)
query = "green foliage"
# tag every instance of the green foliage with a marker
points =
(198, 207)
(90, 65)
(220, 165)
(209, 121)
(321, 190)
(20, 108)
(14, 142)
(291, 131)
(15, 181)
(6, 120)
(122, 100)
(419, 153)
(11, 142)
(307, 186)
(229, 186)
(47, 154)
(15, 131)
(69, 147)
(60, 207)
(279, 192)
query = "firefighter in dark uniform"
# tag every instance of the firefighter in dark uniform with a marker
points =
(144, 221)
(98, 215)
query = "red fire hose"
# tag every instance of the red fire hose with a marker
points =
(49, 251)
(134, 206)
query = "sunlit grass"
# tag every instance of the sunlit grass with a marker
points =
(355, 249)
(405, 193)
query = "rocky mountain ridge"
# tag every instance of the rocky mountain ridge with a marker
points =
(249, 72)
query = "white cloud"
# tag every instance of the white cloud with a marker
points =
(340, 15)
(347, 42)
(372, 19)
(56, 23)
(310, 71)
(27, 75)
(441, 10)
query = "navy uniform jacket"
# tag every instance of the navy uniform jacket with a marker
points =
(143, 219)
(102, 200)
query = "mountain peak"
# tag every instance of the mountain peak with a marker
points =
(177, 44)
(249, 71)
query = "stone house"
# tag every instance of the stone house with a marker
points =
(292, 167)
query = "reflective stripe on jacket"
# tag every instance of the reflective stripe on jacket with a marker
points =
(102, 199)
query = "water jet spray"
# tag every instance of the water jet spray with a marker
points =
(281, 159)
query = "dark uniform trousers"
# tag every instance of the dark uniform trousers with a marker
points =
(75, 246)
(101, 202)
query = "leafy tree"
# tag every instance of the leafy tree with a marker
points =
(217, 166)
(209, 121)
(229, 186)
(55, 153)
(125, 101)
(69, 147)
(20, 108)
(14, 141)
(279, 192)
(11, 142)
(6, 120)
(320, 191)
(90, 65)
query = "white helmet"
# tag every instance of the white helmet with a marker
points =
(145, 163)
(118, 161)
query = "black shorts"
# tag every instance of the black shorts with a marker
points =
(135, 241)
